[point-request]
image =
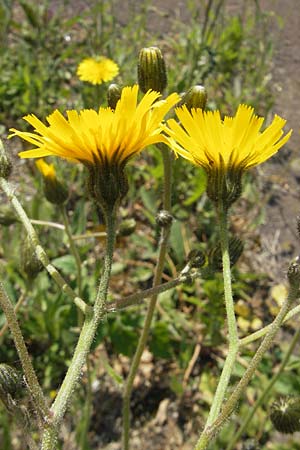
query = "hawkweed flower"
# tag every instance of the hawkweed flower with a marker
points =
(54, 191)
(97, 70)
(104, 141)
(224, 148)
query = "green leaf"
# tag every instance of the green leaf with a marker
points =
(160, 343)
(65, 263)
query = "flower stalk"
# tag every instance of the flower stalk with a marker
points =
(228, 407)
(40, 252)
(31, 379)
(265, 393)
(87, 335)
(163, 245)
(233, 339)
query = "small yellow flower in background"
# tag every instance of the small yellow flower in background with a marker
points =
(225, 148)
(97, 70)
(102, 140)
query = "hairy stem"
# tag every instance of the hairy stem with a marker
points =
(265, 393)
(228, 407)
(30, 375)
(40, 252)
(231, 320)
(73, 249)
(163, 245)
(87, 335)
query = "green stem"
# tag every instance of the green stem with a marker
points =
(266, 392)
(73, 248)
(85, 340)
(137, 298)
(86, 415)
(40, 252)
(231, 320)
(163, 245)
(228, 407)
(261, 333)
(30, 375)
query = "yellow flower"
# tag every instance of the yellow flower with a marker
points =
(97, 70)
(235, 142)
(225, 148)
(47, 170)
(54, 191)
(102, 140)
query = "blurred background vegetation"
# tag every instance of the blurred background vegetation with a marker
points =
(231, 55)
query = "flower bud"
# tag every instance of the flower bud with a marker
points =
(293, 273)
(29, 261)
(197, 259)
(54, 191)
(236, 248)
(113, 95)
(285, 414)
(152, 73)
(5, 164)
(195, 97)
(164, 218)
(10, 380)
(127, 227)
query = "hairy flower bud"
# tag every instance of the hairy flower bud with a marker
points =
(10, 380)
(5, 164)
(195, 97)
(285, 414)
(30, 264)
(113, 95)
(164, 218)
(197, 259)
(127, 227)
(152, 73)
(293, 273)
(236, 248)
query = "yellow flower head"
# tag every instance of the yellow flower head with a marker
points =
(47, 170)
(225, 148)
(102, 140)
(97, 70)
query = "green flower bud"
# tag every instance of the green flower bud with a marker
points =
(7, 216)
(10, 380)
(285, 414)
(113, 95)
(195, 97)
(197, 259)
(127, 227)
(5, 164)
(164, 218)
(236, 248)
(224, 185)
(30, 264)
(152, 73)
(293, 273)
